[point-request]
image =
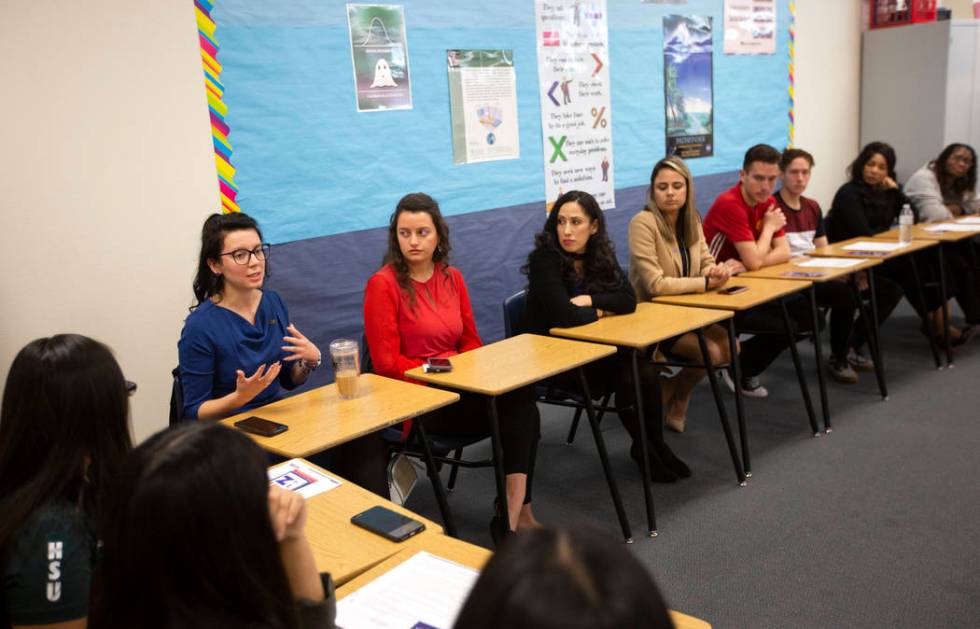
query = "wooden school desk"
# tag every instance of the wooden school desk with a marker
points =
(837, 250)
(817, 275)
(945, 239)
(760, 292)
(343, 549)
(471, 556)
(510, 364)
(650, 324)
(318, 419)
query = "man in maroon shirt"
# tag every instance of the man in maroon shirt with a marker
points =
(806, 230)
(744, 229)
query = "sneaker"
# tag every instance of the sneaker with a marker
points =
(750, 386)
(841, 371)
(860, 361)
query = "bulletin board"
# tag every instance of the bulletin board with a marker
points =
(308, 164)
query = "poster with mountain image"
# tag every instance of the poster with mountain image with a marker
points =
(688, 99)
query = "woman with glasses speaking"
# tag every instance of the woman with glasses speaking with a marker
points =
(238, 349)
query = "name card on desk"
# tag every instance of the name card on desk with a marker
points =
(299, 476)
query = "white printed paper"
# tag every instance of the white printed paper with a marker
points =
(969, 220)
(953, 227)
(425, 591)
(576, 110)
(874, 245)
(835, 263)
(483, 105)
(750, 27)
(299, 476)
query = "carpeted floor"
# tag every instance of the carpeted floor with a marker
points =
(874, 525)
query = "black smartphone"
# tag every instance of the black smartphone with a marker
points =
(261, 427)
(733, 290)
(388, 524)
(438, 365)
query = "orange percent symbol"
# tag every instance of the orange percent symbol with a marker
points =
(600, 117)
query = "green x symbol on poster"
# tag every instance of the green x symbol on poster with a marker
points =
(557, 146)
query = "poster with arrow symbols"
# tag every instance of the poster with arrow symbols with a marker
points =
(576, 118)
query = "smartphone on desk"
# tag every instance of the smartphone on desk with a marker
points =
(733, 290)
(262, 427)
(437, 365)
(388, 524)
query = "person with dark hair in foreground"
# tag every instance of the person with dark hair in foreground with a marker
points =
(195, 536)
(573, 278)
(564, 579)
(64, 432)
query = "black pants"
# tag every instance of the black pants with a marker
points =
(765, 322)
(614, 374)
(363, 461)
(839, 297)
(899, 270)
(519, 421)
(962, 278)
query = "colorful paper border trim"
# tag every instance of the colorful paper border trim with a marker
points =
(216, 106)
(792, 72)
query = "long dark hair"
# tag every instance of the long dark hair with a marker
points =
(567, 578)
(64, 428)
(880, 206)
(188, 540)
(416, 202)
(207, 283)
(952, 188)
(600, 268)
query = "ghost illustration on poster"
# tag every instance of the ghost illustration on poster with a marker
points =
(382, 74)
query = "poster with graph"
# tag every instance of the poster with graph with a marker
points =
(379, 54)
(688, 93)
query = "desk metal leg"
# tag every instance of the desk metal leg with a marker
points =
(498, 463)
(917, 279)
(447, 517)
(736, 367)
(821, 378)
(791, 337)
(720, 403)
(871, 329)
(600, 445)
(644, 444)
(942, 293)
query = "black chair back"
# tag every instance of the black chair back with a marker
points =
(513, 311)
(176, 399)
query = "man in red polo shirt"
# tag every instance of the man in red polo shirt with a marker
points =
(744, 229)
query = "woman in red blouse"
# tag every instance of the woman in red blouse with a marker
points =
(417, 307)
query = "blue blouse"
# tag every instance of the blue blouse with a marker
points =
(215, 342)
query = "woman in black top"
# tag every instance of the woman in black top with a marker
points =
(870, 203)
(573, 279)
(196, 537)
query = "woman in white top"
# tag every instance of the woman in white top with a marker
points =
(947, 187)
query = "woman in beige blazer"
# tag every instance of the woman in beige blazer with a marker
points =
(669, 256)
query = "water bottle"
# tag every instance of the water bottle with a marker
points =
(905, 220)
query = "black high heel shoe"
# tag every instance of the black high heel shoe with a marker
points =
(659, 472)
(498, 532)
(671, 461)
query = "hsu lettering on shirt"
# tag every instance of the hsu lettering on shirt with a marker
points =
(55, 551)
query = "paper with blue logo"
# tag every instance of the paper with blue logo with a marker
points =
(298, 476)
(483, 105)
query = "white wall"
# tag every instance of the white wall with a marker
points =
(106, 175)
(828, 89)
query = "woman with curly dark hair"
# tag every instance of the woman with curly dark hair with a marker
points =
(417, 307)
(947, 186)
(573, 279)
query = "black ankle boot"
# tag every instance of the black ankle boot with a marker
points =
(671, 461)
(659, 472)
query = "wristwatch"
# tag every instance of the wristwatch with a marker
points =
(311, 366)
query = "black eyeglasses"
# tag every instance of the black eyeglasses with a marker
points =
(244, 256)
